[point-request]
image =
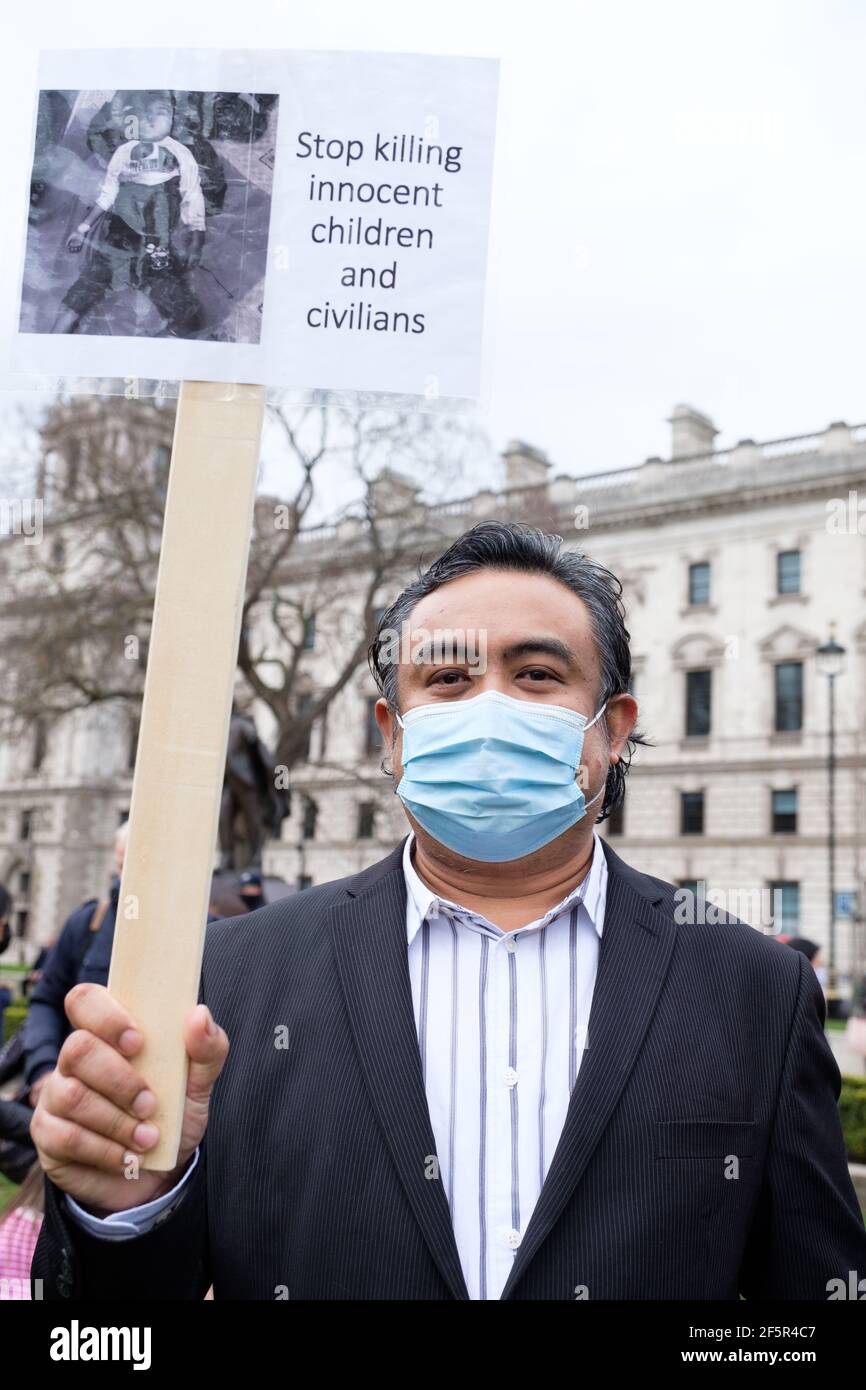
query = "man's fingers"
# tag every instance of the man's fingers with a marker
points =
(91, 1007)
(70, 1099)
(100, 1067)
(62, 1141)
(207, 1047)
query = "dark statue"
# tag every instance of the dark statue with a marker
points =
(249, 794)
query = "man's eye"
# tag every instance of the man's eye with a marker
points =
(448, 678)
(537, 673)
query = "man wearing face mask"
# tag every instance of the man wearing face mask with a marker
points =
(251, 890)
(510, 1073)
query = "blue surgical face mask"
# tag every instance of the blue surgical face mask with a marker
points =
(493, 778)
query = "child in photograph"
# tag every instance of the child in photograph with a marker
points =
(151, 188)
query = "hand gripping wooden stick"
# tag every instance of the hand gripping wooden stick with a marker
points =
(179, 767)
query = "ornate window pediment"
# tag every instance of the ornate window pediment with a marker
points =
(698, 651)
(788, 643)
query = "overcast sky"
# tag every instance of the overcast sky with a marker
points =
(679, 206)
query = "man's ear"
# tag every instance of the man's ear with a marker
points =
(386, 720)
(621, 717)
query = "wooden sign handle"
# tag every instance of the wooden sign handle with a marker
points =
(180, 763)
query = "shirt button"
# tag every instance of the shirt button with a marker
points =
(510, 944)
(513, 1239)
(510, 1076)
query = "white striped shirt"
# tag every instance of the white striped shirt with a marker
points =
(501, 1019)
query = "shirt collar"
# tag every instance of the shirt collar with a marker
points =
(422, 903)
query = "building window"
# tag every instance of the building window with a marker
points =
(698, 691)
(25, 829)
(785, 811)
(305, 704)
(304, 881)
(40, 740)
(58, 552)
(788, 572)
(48, 475)
(366, 820)
(690, 901)
(616, 820)
(786, 906)
(691, 813)
(789, 696)
(73, 458)
(132, 746)
(24, 882)
(161, 464)
(699, 583)
(309, 641)
(373, 737)
(309, 816)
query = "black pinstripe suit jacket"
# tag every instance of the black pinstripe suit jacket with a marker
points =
(705, 1056)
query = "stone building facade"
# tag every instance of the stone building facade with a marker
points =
(735, 563)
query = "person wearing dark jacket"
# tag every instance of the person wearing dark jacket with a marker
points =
(5, 942)
(82, 953)
(5, 925)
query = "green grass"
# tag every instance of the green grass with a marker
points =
(7, 1190)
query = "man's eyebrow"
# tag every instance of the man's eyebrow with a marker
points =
(432, 652)
(546, 646)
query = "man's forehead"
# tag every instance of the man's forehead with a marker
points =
(508, 606)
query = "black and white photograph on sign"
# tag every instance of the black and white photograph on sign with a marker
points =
(149, 214)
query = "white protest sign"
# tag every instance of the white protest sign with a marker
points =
(307, 220)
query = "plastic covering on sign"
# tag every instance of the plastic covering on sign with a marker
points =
(314, 222)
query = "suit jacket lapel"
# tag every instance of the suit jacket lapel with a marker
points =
(634, 954)
(369, 934)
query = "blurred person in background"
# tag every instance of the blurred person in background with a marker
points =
(251, 890)
(814, 955)
(82, 953)
(20, 1224)
(5, 942)
(5, 924)
(225, 900)
(34, 974)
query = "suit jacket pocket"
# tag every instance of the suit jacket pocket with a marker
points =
(705, 1138)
